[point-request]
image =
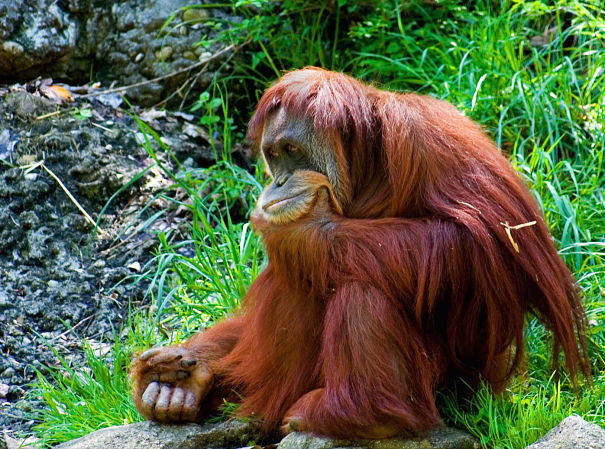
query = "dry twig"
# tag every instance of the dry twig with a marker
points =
(508, 228)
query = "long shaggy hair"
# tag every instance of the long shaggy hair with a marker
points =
(425, 278)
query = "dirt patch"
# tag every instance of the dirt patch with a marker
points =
(57, 276)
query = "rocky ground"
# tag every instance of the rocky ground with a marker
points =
(122, 41)
(59, 278)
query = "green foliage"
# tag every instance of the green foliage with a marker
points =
(80, 400)
(215, 117)
(197, 279)
(523, 413)
(527, 73)
(530, 72)
(287, 34)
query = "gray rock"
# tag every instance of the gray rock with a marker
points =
(116, 40)
(303, 440)
(27, 106)
(54, 271)
(33, 33)
(572, 433)
(8, 442)
(443, 438)
(152, 435)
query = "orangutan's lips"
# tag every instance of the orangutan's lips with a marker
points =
(280, 201)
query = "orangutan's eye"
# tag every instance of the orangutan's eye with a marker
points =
(271, 154)
(291, 150)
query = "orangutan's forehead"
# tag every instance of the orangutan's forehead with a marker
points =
(284, 125)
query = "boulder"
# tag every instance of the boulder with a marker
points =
(237, 433)
(150, 435)
(123, 41)
(572, 433)
(443, 438)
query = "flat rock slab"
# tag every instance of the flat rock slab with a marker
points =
(444, 438)
(151, 435)
(235, 433)
(572, 433)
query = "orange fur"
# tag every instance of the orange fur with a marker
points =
(417, 283)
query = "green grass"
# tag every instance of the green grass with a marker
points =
(525, 411)
(80, 400)
(543, 104)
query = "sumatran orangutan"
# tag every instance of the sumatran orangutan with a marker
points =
(404, 253)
